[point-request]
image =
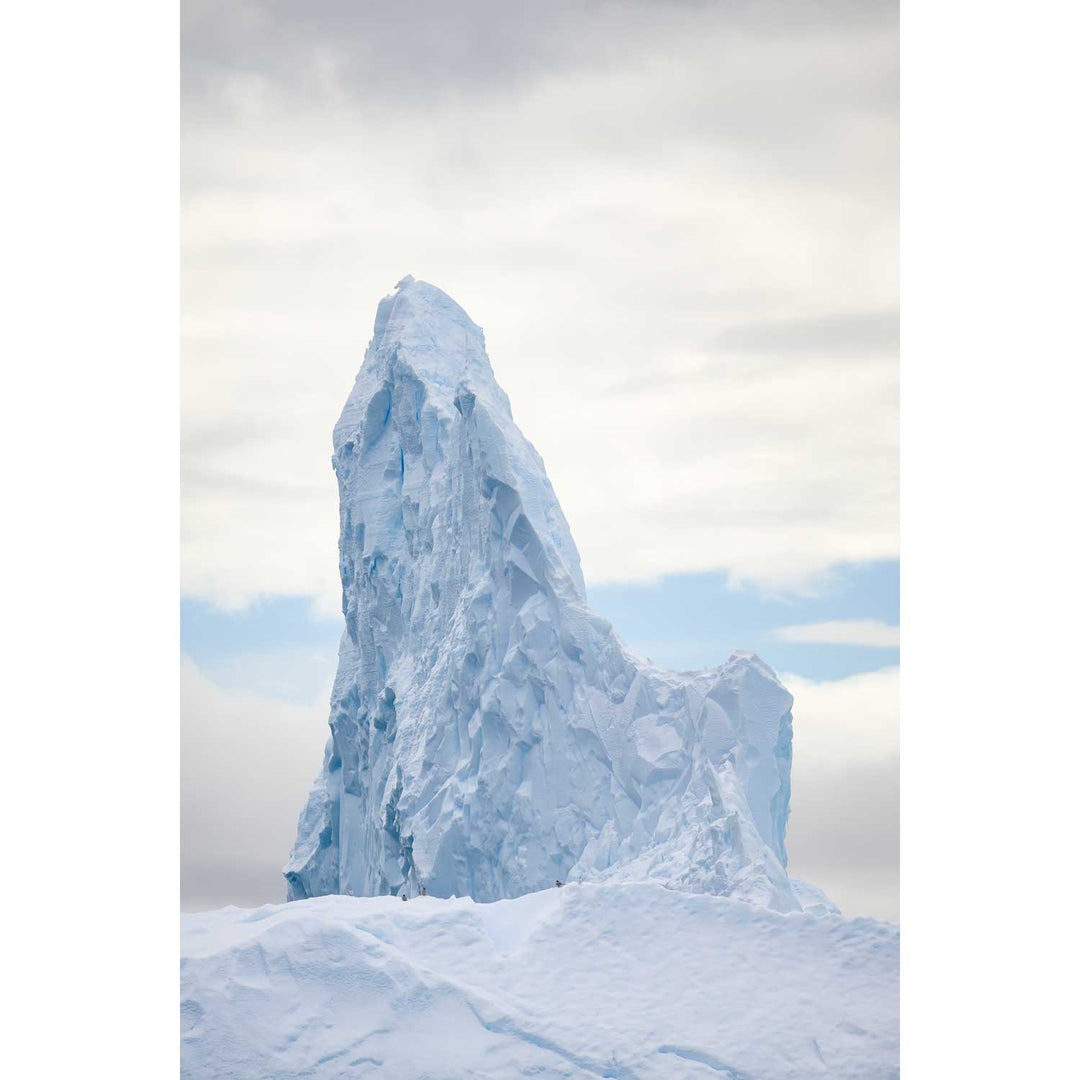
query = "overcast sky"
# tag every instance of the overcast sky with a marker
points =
(677, 223)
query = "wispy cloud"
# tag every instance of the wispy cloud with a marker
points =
(869, 632)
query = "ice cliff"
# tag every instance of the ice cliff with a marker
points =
(489, 733)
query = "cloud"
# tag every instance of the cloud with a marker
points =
(676, 223)
(246, 764)
(848, 720)
(858, 334)
(300, 676)
(844, 832)
(414, 52)
(868, 632)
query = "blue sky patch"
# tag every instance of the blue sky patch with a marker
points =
(698, 620)
(282, 647)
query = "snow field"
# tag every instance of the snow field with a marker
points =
(608, 980)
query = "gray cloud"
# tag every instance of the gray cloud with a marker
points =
(844, 831)
(202, 482)
(844, 835)
(242, 880)
(858, 335)
(246, 764)
(208, 440)
(400, 52)
(414, 52)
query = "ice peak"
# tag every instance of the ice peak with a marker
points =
(422, 339)
(432, 333)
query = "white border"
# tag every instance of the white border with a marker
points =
(90, 439)
(89, 781)
(989, 539)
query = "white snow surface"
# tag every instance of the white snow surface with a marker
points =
(490, 733)
(609, 980)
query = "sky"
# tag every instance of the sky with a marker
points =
(677, 224)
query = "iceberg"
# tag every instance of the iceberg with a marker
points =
(489, 733)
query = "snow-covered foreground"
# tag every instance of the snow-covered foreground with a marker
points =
(612, 980)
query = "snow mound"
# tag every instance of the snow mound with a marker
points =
(613, 980)
(490, 733)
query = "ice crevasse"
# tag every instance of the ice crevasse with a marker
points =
(488, 732)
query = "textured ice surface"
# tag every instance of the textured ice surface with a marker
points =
(490, 733)
(617, 980)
